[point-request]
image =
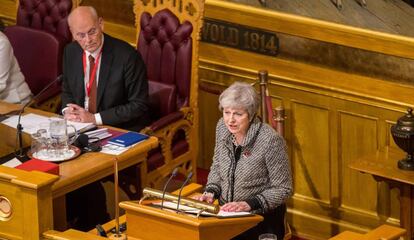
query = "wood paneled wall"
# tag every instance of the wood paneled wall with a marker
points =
(333, 116)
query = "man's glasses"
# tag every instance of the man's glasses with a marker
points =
(91, 33)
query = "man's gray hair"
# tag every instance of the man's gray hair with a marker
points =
(240, 95)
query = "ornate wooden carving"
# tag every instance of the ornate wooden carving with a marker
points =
(190, 11)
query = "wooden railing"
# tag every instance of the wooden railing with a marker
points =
(383, 232)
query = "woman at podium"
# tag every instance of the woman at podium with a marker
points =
(250, 170)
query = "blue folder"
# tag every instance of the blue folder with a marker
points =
(127, 139)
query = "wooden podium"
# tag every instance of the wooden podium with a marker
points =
(26, 209)
(146, 222)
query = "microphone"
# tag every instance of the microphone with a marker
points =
(82, 142)
(19, 127)
(173, 174)
(190, 175)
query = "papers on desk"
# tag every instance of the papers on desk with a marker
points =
(98, 134)
(223, 214)
(191, 210)
(32, 122)
(114, 149)
(12, 163)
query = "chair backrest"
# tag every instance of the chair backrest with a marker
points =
(273, 116)
(47, 15)
(39, 54)
(168, 34)
(162, 99)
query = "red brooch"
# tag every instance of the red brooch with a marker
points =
(246, 154)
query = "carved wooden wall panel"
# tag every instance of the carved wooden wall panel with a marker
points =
(357, 136)
(310, 160)
(208, 120)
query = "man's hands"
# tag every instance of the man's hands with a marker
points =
(236, 207)
(76, 113)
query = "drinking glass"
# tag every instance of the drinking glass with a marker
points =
(50, 149)
(39, 146)
(58, 130)
(267, 236)
(35, 144)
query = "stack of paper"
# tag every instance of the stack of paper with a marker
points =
(81, 127)
(98, 134)
(192, 210)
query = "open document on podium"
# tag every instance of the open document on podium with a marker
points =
(192, 210)
(32, 122)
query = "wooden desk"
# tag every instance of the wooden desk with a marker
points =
(85, 169)
(382, 165)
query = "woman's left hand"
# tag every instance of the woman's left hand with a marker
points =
(236, 207)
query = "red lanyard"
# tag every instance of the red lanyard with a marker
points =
(92, 76)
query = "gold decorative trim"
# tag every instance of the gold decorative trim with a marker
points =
(6, 209)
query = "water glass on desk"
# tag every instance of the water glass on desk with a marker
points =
(39, 147)
(35, 143)
(267, 236)
(58, 131)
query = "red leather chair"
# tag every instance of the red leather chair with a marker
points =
(168, 36)
(39, 54)
(38, 39)
(48, 15)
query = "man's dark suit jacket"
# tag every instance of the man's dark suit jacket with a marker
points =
(122, 96)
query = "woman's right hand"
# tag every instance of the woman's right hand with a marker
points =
(205, 197)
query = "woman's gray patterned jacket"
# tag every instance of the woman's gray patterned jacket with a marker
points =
(262, 175)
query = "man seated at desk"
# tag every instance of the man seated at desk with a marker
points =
(104, 82)
(104, 78)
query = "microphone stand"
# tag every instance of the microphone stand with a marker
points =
(173, 174)
(118, 235)
(190, 175)
(19, 126)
